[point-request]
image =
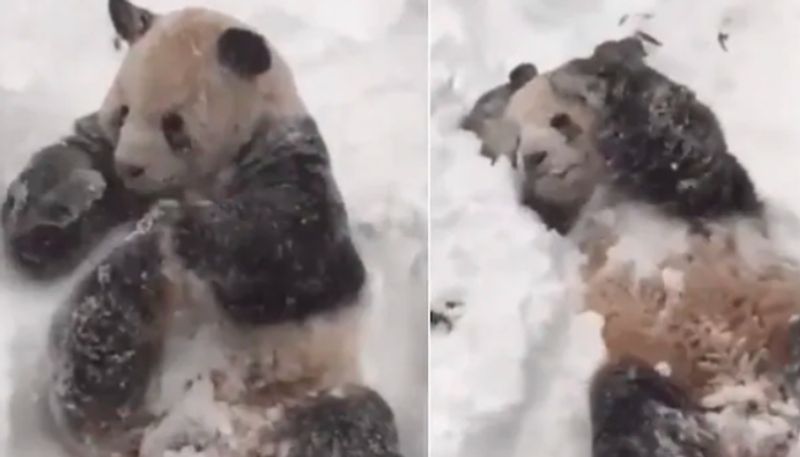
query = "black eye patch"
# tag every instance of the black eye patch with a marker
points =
(564, 124)
(122, 115)
(175, 133)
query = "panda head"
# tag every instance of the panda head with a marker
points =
(555, 167)
(191, 91)
(549, 140)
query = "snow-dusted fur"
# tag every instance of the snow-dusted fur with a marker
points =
(709, 313)
(255, 244)
(596, 136)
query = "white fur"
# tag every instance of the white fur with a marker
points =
(174, 68)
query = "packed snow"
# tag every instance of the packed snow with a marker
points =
(510, 376)
(361, 67)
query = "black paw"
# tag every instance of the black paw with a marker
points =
(351, 421)
(637, 412)
(44, 216)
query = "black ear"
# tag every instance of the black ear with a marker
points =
(130, 21)
(521, 74)
(244, 52)
(627, 50)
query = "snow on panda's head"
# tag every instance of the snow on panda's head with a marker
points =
(192, 89)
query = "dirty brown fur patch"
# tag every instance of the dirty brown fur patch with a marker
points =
(708, 313)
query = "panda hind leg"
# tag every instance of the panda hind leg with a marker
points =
(105, 345)
(636, 412)
(349, 420)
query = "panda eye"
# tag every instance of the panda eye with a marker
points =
(175, 133)
(564, 124)
(559, 121)
(122, 115)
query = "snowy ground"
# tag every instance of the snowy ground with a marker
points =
(511, 378)
(361, 67)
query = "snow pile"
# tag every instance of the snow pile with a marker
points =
(511, 377)
(361, 68)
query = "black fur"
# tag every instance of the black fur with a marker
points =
(107, 341)
(50, 219)
(244, 52)
(130, 21)
(628, 50)
(351, 421)
(661, 144)
(636, 412)
(558, 217)
(521, 74)
(278, 248)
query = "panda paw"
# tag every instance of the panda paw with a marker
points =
(349, 420)
(50, 211)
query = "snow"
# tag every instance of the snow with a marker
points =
(361, 67)
(510, 378)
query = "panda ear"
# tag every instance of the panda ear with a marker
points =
(130, 21)
(521, 74)
(244, 52)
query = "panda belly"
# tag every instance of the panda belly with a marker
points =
(268, 389)
(703, 344)
(708, 314)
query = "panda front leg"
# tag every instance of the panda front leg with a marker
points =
(636, 412)
(281, 262)
(64, 202)
(105, 345)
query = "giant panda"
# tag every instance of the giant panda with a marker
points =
(205, 151)
(708, 331)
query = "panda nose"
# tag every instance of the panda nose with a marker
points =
(129, 171)
(531, 161)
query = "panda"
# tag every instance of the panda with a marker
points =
(600, 137)
(599, 114)
(555, 185)
(205, 152)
